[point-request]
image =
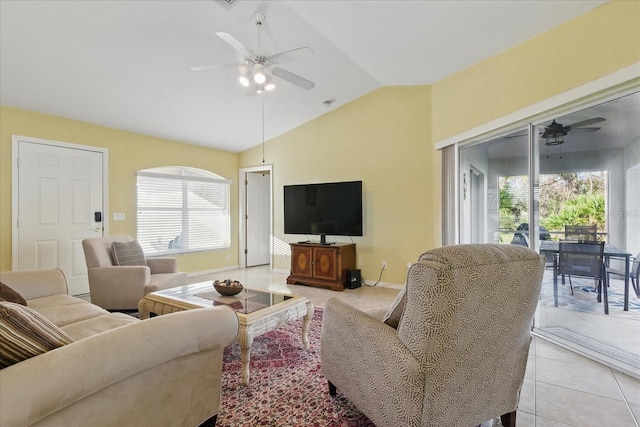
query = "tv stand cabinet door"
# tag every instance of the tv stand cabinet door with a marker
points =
(301, 261)
(325, 263)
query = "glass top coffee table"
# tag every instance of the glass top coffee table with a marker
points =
(258, 311)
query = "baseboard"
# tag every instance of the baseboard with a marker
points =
(215, 270)
(286, 271)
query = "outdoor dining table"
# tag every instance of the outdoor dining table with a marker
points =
(553, 247)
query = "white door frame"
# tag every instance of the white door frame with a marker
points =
(477, 209)
(242, 225)
(15, 139)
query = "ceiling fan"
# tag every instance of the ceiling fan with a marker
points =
(555, 132)
(256, 69)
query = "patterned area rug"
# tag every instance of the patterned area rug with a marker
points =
(584, 297)
(286, 385)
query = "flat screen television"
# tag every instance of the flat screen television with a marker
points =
(332, 208)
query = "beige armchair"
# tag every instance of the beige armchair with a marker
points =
(120, 287)
(459, 352)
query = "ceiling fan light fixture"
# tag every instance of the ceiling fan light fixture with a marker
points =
(268, 84)
(244, 80)
(555, 139)
(245, 77)
(259, 77)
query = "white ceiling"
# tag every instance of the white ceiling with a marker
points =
(125, 64)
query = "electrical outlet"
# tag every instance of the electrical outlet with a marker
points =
(360, 264)
(384, 264)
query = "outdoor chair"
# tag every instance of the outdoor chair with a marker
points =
(584, 259)
(634, 274)
(581, 233)
(451, 350)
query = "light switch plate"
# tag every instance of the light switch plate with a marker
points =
(118, 216)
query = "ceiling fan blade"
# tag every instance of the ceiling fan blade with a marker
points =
(587, 122)
(235, 43)
(516, 135)
(290, 55)
(293, 78)
(211, 67)
(585, 129)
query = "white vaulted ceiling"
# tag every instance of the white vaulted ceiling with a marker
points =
(126, 64)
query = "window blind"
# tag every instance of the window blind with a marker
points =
(180, 213)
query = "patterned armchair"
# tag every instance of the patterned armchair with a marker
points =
(452, 349)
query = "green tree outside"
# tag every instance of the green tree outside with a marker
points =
(585, 209)
(576, 198)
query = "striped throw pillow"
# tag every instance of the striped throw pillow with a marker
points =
(128, 253)
(24, 333)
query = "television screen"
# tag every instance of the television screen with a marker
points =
(333, 208)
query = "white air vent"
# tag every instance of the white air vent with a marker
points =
(225, 3)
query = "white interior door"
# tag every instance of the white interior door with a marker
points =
(59, 190)
(258, 218)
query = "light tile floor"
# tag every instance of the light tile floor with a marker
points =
(561, 388)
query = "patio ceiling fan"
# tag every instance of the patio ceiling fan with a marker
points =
(257, 68)
(555, 132)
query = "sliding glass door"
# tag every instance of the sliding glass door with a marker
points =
(494, 199)
(577, 169)
(589, 162)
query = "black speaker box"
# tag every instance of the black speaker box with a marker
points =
(354, 280)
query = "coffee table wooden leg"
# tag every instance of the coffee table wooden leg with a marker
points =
(245, 339)
(306, 322)
(143, 309)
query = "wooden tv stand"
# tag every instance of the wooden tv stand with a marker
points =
(324, 266)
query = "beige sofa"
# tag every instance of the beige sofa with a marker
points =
(119, 371)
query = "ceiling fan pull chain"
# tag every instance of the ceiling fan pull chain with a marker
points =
(262, 129)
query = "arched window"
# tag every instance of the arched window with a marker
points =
(182, 209)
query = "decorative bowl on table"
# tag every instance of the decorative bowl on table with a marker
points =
(228, 287)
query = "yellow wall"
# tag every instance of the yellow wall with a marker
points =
(128, 152)
(585, 49)
(386, 137)
(382, 139)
